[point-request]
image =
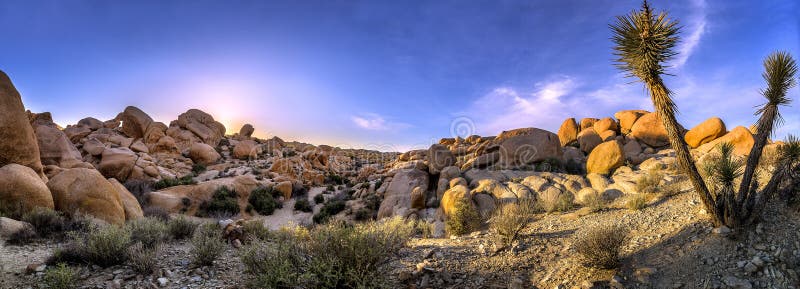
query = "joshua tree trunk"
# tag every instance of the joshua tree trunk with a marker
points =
(764, 127)
(665, 109)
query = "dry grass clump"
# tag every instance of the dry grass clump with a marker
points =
(103, 246)
(254, 230)
(649, 183)
(637, 202)
(464, 218)
(23, 236)
(594, 201)
(143, 259)
(510, 219)
(554, 200)
(60, 277)
(207, 244)
(334, 255)
(46, 222)
(600, 246)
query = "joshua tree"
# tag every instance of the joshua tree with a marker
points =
(644, 42)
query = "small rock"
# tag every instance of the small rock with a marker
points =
(724, 230)
(162, 282)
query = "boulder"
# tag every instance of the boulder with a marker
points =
(494, 188)
(485, 203)
(91, 123)
(608, 135)
(740, 137)
(202, 125)
(21, 187)
(86, 191)
(598, 182)
(245, 150)
(584, 195)
(246, 131)
(588, 139)
(18, 143)
(129, 203)
(189, 198)
(154, 132)
(55, 148)
(627, 118)
(587, 123)
(134, 122)
(9, 227)
(452, 197)
(417, 198)
(139, 147)
(632, 149)
(528, 145)
(117, 163)
(649, 130)
(397, 198)
(605, 158)
(76, 132)
(605, 124)
(203, 154)
(439, 157)
(705, 132)
(568, 132)
(285, 188)
(94, 147)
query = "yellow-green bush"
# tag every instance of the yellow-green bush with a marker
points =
(464, 218)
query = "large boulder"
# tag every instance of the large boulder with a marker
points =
(451, 197)
(246, 149)
(203, 154)
(202, 125)
(649, 130)
(705, 132)
(18, 143)
(568, 132)
(605, 158)
(117, 163)
(605, 124)
(134, 122)
(528, 145)
(588, 139)
(55, 148)
(740, 137)
(246, 131)
(189, 198)
(439, 157)
(285, 189)
(587, 122)
(129, 203)
(86, 191)
(627, 118)
(397, 198)
(21, 187)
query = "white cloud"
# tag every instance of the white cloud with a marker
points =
(373, 121)
(696, 27)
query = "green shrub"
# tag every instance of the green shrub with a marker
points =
(207, 245)
(148, 231)
(224, 203)
(330, 188)
(262, 201)
(303, 205)
(510, 219)
(73, 252)
(600, 246)
(46, 222)
(373, 202)
(464, 218)
(60, 277)
(181, 227)
(363, 214)
(319, 199)
(330, 209)
(143, 259)
(171, 182)
(105, 246)
(13, 211)
(198, 169)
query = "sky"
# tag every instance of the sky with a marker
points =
(385, 75)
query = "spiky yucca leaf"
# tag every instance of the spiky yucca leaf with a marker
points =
(790, 150)
(722, 169)
(779, 71)
(644, 41)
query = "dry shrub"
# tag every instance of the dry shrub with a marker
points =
(104, 246)
(207, 244)
(649, 183)
(143, 259)
(600, 246)
(46, 222)
(594, 201)
(156, 212)
(555, 200)
(464, 218)
(60, 277)
(255, 230)
(272, 265)
(23, 236)
(148, 231)
(181, 228)
(510, 219)
(637, 202)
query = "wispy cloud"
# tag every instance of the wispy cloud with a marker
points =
(376, 122)
(696, 28)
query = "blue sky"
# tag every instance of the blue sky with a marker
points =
(388, 75)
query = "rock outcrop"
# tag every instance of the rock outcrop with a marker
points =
(22, 188)
(18, 143)
(86, 191)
